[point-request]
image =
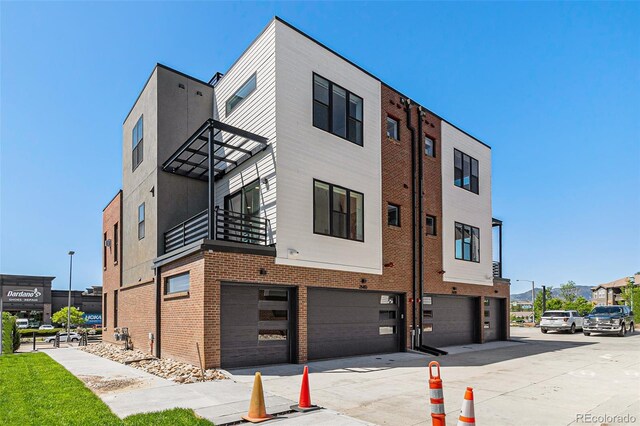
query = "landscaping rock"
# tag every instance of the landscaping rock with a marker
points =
(179, 372)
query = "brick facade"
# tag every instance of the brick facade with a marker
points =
(190, 321)
(112, 267)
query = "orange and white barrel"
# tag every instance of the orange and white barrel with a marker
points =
(436, 397)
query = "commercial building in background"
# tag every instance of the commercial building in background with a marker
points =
(298, 208)
(611, 293)
(31, 297)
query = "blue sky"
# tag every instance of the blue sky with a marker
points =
(554, 88)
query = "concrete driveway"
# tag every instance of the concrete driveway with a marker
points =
(536, 379)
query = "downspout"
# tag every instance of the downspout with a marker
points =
(420, 221)
(158, 311)
(413, 221)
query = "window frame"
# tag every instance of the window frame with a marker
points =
(435, 225)
(433, 147)
(104, 251)
(348, 212)
(167, 279)
(141, 223)
(115, 308)
(399, 221)
(116, 242)
(471, 243)
(348, 95)
(462, 175)
(395, 120)
(137, 144)
(228, 111)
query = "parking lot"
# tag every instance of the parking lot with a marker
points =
(537, 379)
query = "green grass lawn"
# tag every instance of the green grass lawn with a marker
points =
(36, 390)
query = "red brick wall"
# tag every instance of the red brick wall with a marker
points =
(137, 312)
(111, 273)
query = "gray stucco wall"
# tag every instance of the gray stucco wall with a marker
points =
(171, 114)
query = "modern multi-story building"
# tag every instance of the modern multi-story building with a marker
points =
(298, 208)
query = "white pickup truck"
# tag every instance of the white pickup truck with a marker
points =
(561, 321)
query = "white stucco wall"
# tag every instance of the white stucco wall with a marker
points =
(460, 205)
(306, 153)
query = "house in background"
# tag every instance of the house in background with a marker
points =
(611, 293)
(298, 208)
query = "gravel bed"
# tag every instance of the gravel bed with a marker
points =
(179, 372)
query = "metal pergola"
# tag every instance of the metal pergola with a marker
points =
(214, 146)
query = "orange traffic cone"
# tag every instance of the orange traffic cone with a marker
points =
(467, 414)
(436, 397)
(304, 402)
(257, 410)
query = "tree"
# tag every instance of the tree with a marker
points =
(60, 317)
(553, 303)
(569, 292)
(631, 295)
(582, 305)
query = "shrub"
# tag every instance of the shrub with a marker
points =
(9, 330)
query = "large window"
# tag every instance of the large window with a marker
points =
(104, 251)
(465, 171)
(141, 221)
(241, 94)
(177, 284)
(136, 144)
(105, 311)
(467, 242)
(337, 110)
(338, 211)
(115, 308)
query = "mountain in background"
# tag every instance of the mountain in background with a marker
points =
(583, 290)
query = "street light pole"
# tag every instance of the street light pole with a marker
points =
(71, 253)
(533, 297)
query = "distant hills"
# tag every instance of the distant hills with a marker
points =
(583, 290)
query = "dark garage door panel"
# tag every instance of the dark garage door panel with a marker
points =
(239, 345)
(496, 319)
(346, 323)
(454, 321)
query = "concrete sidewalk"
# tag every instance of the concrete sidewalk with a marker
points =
(222, 401)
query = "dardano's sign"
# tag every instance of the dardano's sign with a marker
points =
(22, 295)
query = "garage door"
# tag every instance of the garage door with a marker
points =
(255, 325)
(494, 319)
(346, 323)
(449, 320)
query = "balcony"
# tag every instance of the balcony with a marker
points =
(228, 226)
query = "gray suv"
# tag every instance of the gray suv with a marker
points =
(609, 319)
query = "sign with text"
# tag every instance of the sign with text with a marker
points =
(92, 319)
(22, 294)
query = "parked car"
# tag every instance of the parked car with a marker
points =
(46, 327)
(609, 319)
(73, 337)
(561, 321)
(22, 323)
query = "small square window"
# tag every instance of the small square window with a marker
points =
(487, 313)
(427, 328)
(427, 314)
(387, 315)
(487, 324)
(431, 225)
(429, 147)
(392, 128)
(487, 301)
(393, 215)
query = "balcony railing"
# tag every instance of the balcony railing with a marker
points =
(229, 226)
(496, 270)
